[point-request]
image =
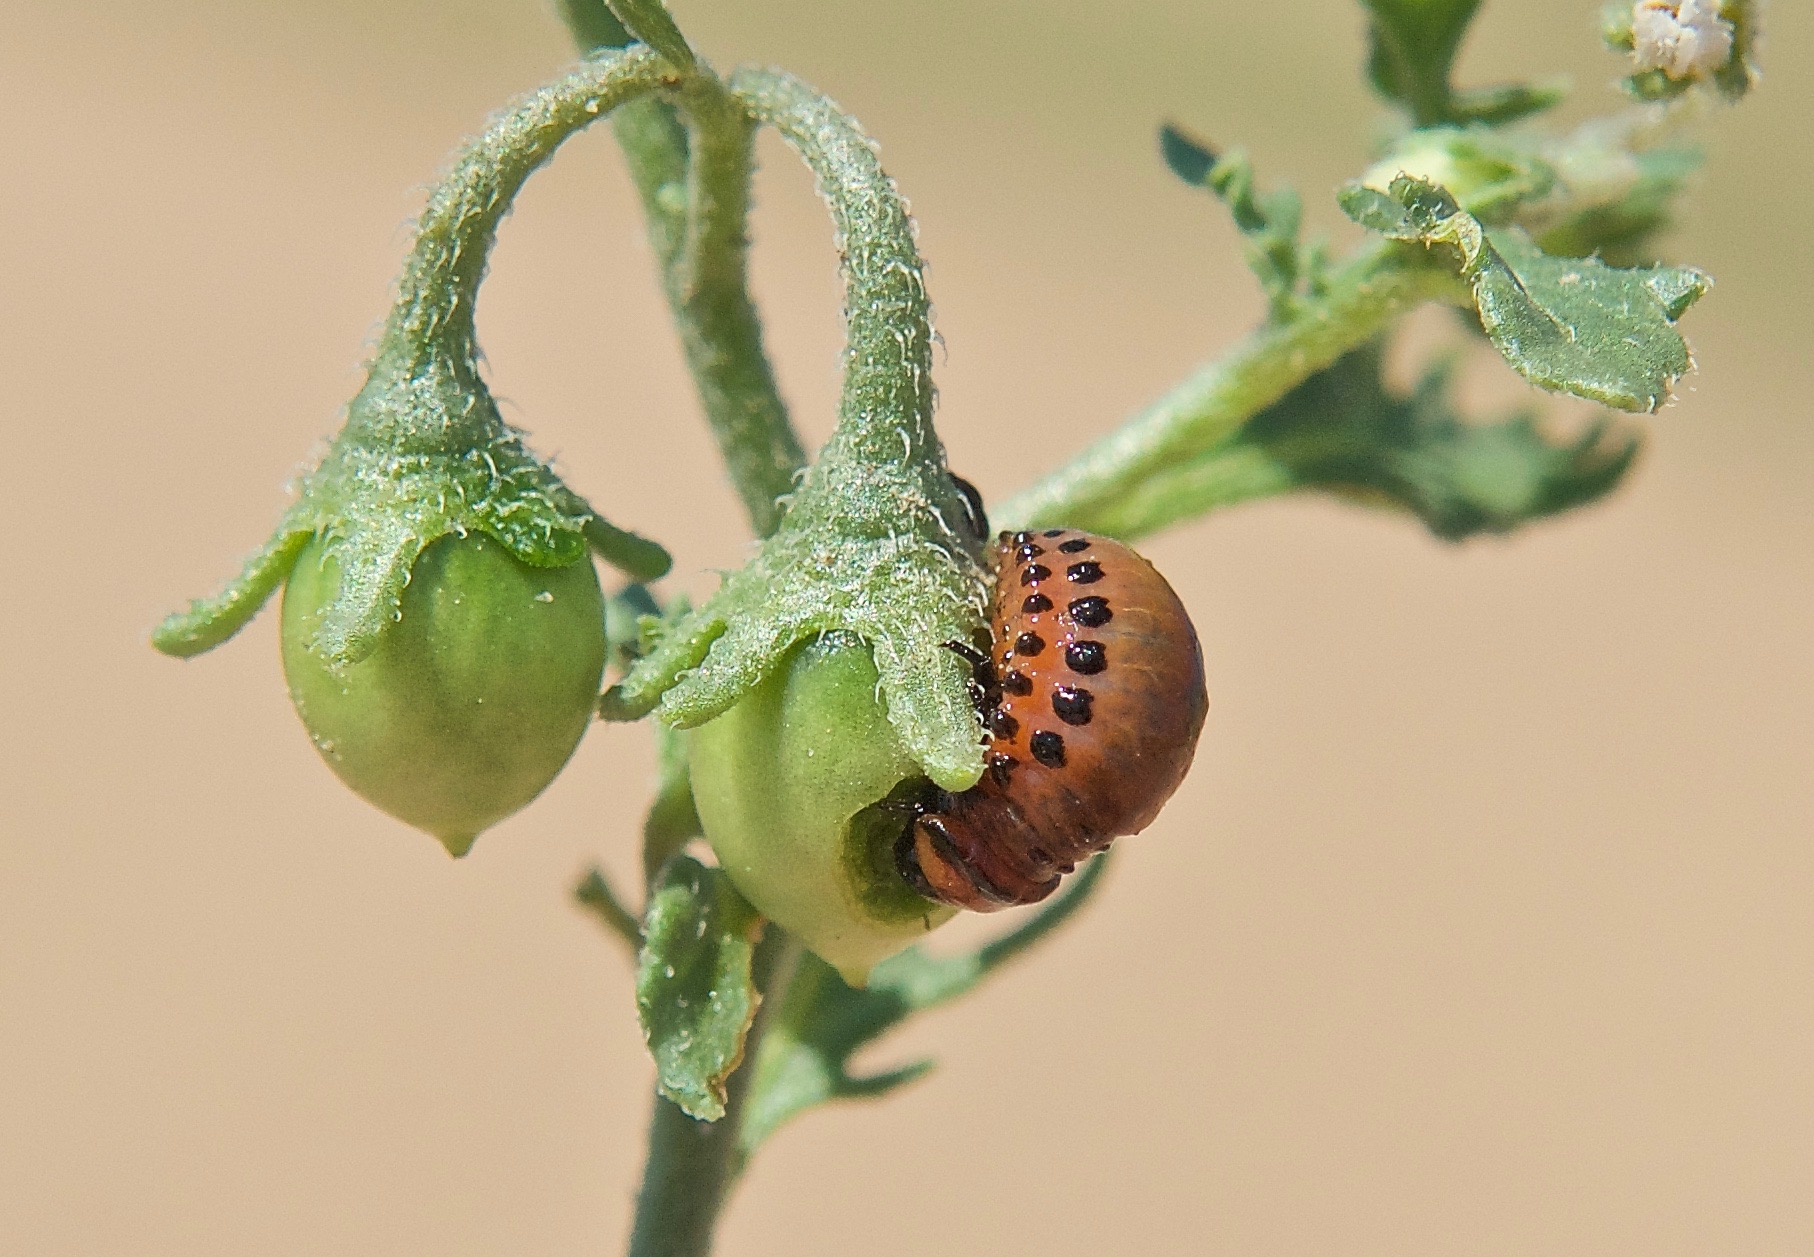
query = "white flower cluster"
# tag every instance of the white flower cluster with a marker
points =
(1682, 38)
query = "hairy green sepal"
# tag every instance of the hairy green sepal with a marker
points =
(695, 995)
(424, 453)
(1569, 325)
(787, 784)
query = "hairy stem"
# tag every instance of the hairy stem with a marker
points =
(1090, 491)
(433, 314)
(693, 1165)
(690, 160)
(885, 413)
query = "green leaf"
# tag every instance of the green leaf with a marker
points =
(1496, 106)
(1189, 158)
(1569, 325)
(804, 1060)
(1576, 325)
(694, 993)
(595, 894)
(651, 23)
(1413, 49)
(593, 25)
(1269, 222)
(1347, 432)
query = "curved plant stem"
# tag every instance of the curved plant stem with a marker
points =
(693, 1165)
(436, 296)
(1362, 298)
(690, 160)
(885, 412)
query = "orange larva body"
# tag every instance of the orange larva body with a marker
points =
(1093, 698)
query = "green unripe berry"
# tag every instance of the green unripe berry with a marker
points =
(791, 786)
(471, 702)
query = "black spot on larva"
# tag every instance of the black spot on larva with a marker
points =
(1053, 532)
(1039, 855)
(1086, 573)
(1001, 768)
(1048, 748)
(1089, 658)
(1029, 644)
(1036, 603)
(1091, 612)
(1021, 538)
(1017, 683)
(1077, 545)
(1033, 573)
(1071, 704)
(1002, 725)
(1028, 552)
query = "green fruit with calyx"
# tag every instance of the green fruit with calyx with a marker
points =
(472, 700)
(802, 788)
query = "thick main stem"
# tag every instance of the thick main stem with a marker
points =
(693, 1165)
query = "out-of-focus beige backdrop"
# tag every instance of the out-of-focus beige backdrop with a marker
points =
(1485, 923)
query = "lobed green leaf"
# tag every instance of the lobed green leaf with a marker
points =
(1569, 325)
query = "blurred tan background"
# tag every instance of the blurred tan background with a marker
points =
(1485, 923)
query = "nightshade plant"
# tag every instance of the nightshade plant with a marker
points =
(445, 634)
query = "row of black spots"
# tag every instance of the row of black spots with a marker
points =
(1084, 657)
(1047, 748)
